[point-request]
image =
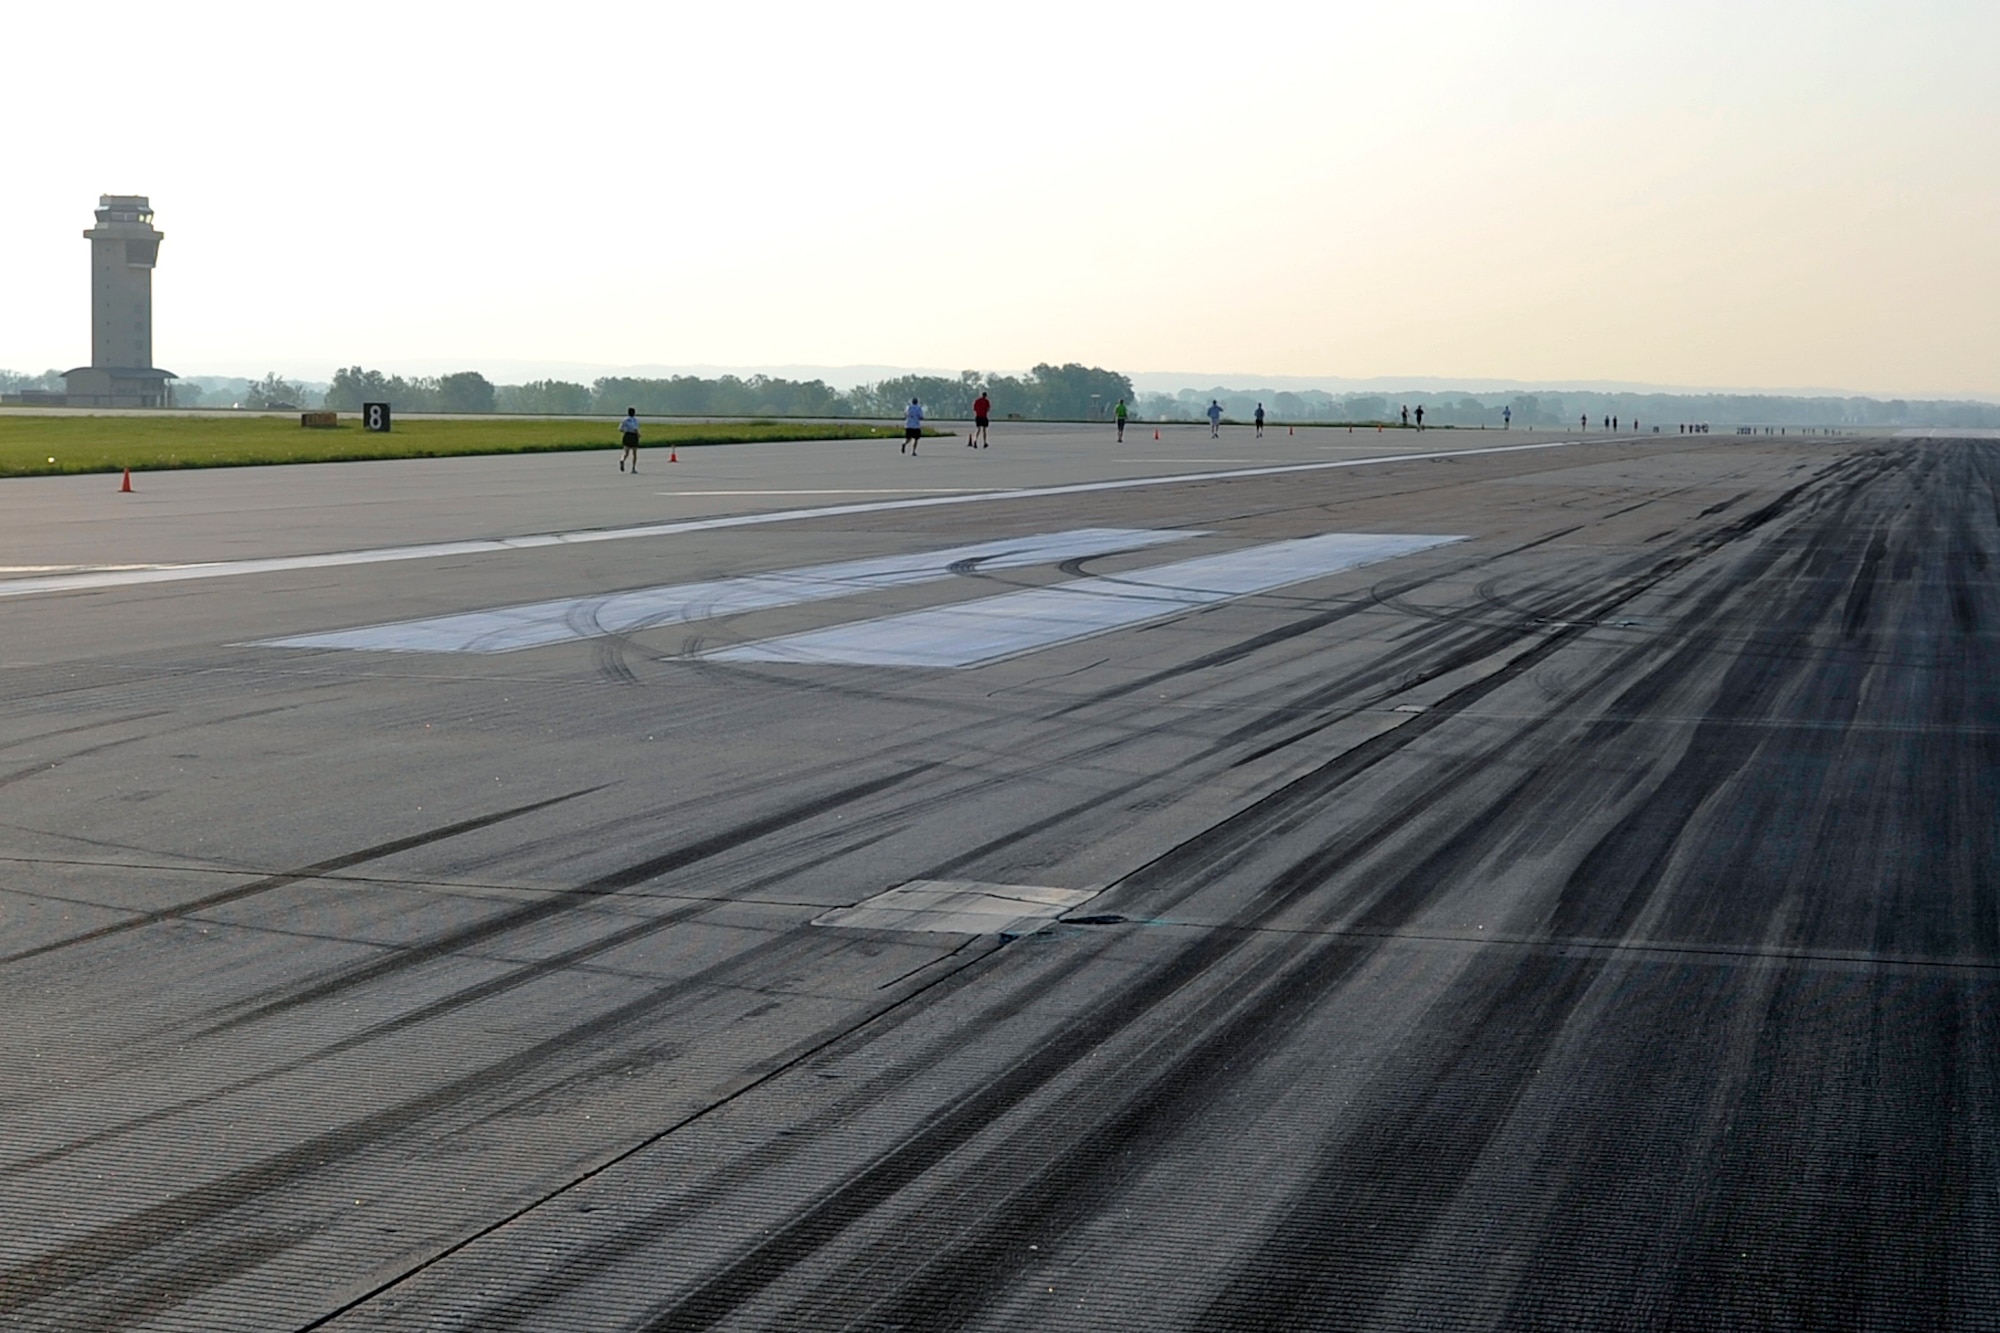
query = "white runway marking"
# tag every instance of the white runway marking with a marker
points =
(976, 633)
(123, 577)
(508, 628)
(875, 490)
(69, 569)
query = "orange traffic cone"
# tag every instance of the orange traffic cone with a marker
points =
(125, 487)
(674, 454)
(1291, 430)
(1156, 432)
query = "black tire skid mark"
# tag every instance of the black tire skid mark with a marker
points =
(743, 1279)
(498, 985)
(1071, 759)
(266, 884)
(1893, 1173)
(521, 1304)
(1559, 771)
(823, 1222)
(1575, 609)
(820, 1223)
(1374, 1193)
(959, 1280)
(1137, 1100)
(1230, 654)
(1256, 726)
(608, 653)
(1754, 1161)
(1403, 903)
(1235, 937)
(1297, 1312)
(406, 957)
(1942, 875)
(520, 976)
(1331, 700)
(523, 975)
(48, 765)
(1722, 506)
(558, 847)
(119, 1250)
(1603, 895)
(86, 726)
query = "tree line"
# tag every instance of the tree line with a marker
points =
(1068, 392)
(1047, 393)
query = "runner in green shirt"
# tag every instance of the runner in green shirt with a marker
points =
(1119, 412)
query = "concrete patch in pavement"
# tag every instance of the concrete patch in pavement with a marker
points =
(960, 907)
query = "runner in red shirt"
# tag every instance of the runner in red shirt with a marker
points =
(982, 409)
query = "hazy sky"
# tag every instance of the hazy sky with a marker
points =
(1715, 192)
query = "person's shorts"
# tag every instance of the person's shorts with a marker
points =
(913, 432)
(979, 422)
(631, 439)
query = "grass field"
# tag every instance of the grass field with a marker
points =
(32, 445)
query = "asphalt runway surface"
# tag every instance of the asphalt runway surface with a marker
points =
(1543, 888)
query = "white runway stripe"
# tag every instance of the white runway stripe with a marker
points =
(508, 628)
(126, 577)
(975, 633)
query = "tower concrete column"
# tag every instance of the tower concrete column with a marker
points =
(124, 247)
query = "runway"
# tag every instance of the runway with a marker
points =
(1388, 885)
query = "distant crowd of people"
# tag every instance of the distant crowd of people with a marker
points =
(982, 415)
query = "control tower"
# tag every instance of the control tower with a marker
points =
(124, 246)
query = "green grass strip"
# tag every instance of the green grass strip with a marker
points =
(33, 445)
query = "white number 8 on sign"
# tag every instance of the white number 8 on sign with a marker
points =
(375, 416)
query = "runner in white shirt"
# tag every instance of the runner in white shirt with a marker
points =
(628, 431)
(913, 427)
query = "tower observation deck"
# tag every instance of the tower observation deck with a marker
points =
(124, 247)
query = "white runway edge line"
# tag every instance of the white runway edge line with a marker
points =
(105, 578)
(566, 619)
(976, 633)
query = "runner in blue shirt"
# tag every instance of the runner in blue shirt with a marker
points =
(913, 427)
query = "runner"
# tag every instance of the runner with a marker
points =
(1214, 419)
(982, 411)
(1506, 418)
(628, 430)
(913, 427)
(1260, 421)
(1119, 412)
(1420, 416)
